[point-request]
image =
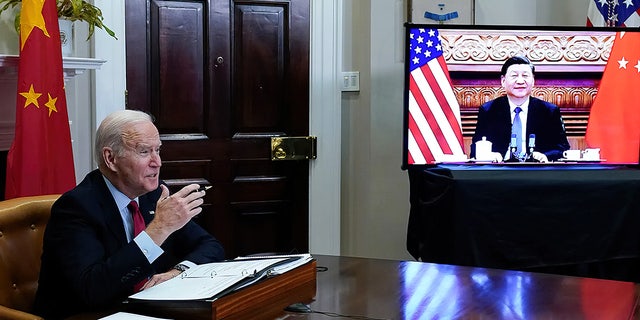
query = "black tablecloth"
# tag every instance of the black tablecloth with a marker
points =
(581, 220)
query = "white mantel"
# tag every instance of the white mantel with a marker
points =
(72, 66)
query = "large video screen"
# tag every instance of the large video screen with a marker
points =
(498, 94)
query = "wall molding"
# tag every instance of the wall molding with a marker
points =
(71, 66)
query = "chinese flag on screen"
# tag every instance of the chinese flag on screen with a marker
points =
(614, 121)
(40, 160)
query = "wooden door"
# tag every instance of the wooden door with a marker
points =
(221, 78)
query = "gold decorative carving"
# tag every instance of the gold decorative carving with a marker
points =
(486, 50)
(574, 103)
(564, 97)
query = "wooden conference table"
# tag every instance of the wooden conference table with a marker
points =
(363, 288)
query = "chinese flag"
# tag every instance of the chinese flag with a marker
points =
(40, 160)
(614, 121)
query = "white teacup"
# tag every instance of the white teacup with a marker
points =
(571, 154)
(591, 154)
(483, 150)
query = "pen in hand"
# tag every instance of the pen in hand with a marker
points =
(203, 188)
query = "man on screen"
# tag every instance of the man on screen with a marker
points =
(512, 119)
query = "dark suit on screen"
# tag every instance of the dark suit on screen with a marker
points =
(543, 120)
(87, 263)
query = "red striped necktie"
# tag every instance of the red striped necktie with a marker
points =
(138, 226)
(138, 221)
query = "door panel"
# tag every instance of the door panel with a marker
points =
(269, 196)
(222, 78)
(177, 28)
(259, 66)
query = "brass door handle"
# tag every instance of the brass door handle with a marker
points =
(279, 154)
(293, 148)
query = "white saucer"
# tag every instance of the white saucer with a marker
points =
(580, 160)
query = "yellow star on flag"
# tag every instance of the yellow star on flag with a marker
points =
(51, 104)
(32, 97)
(31, 17)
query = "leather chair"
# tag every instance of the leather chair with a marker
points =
(22, 224)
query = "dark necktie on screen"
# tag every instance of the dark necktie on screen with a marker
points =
(516, 128)
(138, 226)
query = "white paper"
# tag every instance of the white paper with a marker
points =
(229, 268)
(205, 280)
(129, 316)
(282, 268)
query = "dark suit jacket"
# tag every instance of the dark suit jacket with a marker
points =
(543, 120)
(87, 263)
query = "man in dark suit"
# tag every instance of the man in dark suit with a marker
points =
(538, 117)
(95, 252)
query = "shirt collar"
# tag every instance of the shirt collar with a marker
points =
(524, 106)
(122, 201)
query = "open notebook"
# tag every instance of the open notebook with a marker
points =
(212, 280)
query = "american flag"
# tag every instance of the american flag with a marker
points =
(434, 130)
(610, 13)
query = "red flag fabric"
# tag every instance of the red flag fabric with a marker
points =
(614, 121)
(612, 13)
(434, 125)
(40, 160)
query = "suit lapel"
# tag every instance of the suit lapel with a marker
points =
(147, 209)
(505, 112)
(148, 204)
(531, 117)
(109, 209)
(114, 220)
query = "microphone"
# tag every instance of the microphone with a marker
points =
(532, 141)
(532, 145)
(513, 146)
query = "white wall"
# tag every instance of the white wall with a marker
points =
(8, 34)
(531, 12)
(375, 189)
